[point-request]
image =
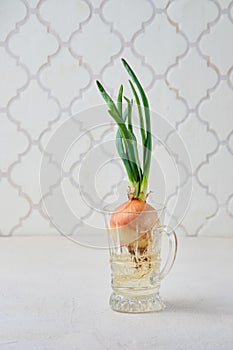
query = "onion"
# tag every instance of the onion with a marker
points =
(132, 221)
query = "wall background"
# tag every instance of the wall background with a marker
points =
(51, 52)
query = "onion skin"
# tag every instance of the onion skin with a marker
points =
(133, 220)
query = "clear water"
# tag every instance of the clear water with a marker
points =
(135, 271)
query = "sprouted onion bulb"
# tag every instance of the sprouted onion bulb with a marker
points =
(136, 217)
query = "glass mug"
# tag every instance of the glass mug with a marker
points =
(135, 258)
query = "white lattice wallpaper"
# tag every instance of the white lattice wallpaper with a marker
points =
(51, 52)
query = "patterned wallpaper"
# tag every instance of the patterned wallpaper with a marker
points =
(51, 52)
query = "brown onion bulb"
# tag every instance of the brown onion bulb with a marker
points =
(132, 221)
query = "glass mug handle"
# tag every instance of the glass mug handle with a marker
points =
(172, 251)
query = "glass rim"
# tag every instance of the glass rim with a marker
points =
(158, 209)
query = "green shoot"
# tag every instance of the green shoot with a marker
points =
(126, 141)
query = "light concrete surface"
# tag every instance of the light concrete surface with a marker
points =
(54, 296)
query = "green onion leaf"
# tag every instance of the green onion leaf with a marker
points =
(148, 144)
(142, 127)
(126, 141)
(130, 103)
(119, 100)
(113, 111)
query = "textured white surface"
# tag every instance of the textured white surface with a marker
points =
(54, 296)
(51, 52)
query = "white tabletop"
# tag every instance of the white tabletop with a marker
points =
(54, 296)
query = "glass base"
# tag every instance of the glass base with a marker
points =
(139, 304)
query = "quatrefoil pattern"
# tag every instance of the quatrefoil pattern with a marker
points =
(51, 52)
